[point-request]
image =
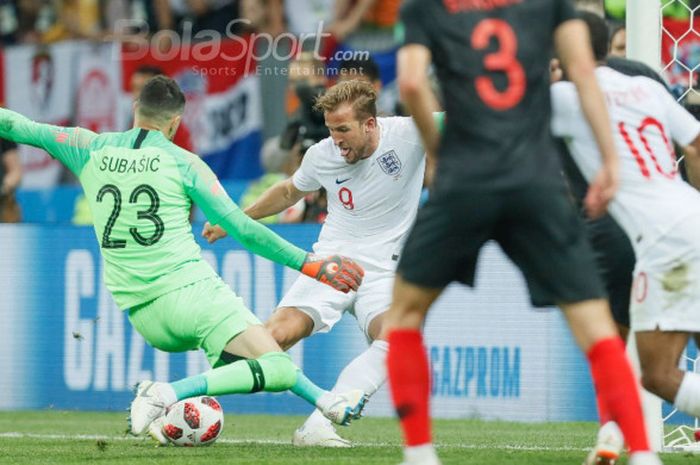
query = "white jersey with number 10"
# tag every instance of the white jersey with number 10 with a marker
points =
(652, 198)
(372, 203)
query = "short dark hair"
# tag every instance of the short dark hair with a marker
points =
(161, 99)
(149, 70)
(598, 31)
(363, 66)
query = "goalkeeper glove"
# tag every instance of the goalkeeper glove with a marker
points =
(341, 273)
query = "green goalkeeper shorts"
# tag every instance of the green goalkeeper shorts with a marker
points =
(206, 314)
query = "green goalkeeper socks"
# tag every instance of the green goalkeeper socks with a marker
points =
(190, 387)
(272, 372)
(306, 389)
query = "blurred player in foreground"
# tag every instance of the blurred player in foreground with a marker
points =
(498, 177)
(372, 169)
(140, 187)
(659, 212)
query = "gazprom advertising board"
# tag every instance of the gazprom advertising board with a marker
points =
(64, 344)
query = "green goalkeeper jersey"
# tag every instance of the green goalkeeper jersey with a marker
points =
(140, 187)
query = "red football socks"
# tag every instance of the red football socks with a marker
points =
(617, 390)
(409, 384)
(603, 412)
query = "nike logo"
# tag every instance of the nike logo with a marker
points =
(340, 181)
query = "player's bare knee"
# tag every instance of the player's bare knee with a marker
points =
(289, 325)
(650, 382)
(374, 329)
(655, 378)
(281, 334)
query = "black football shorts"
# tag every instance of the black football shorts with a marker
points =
(536, 226)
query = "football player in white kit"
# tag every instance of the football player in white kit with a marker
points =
(372, 169)
(659, 212)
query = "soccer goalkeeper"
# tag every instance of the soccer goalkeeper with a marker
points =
(140, 187)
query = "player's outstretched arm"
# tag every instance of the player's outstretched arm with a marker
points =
(574, 51)
(339, 272)
(274, 200)
(204, 188)
(68, 145)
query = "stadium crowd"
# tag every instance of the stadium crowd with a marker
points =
(364, 25)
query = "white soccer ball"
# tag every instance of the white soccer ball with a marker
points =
(197, 421)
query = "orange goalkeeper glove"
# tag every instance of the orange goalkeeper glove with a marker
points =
(341, 273)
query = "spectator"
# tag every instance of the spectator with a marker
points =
(140, 77)
(10, 177)
(305, 71)
(8, 22)
(367, 69)
(214, 15)
(278, 164)
(75, 19)
(315, 207)
(307, 80)
(618, 42)
(304, 16)
(114, 11)
(350, 15)
(263, 16)
(33, 17)
(361, 68)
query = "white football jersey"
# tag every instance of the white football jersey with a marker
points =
(371, 204)
(652, 197)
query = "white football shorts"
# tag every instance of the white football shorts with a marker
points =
(326, 306)
(666, 288)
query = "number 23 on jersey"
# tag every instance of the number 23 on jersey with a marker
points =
(150, 214)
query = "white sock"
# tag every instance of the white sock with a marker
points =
(325, 401)
(425, 453)
(688, 396)
(367, 371)
(644, 458)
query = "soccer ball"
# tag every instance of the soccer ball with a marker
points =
(193, 422)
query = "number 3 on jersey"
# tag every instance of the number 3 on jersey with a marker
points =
(151, 214)
(504, 60)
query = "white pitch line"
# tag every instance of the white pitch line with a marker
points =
(95, 437)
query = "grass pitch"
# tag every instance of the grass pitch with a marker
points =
(54, 437)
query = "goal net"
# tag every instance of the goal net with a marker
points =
(665, 35)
